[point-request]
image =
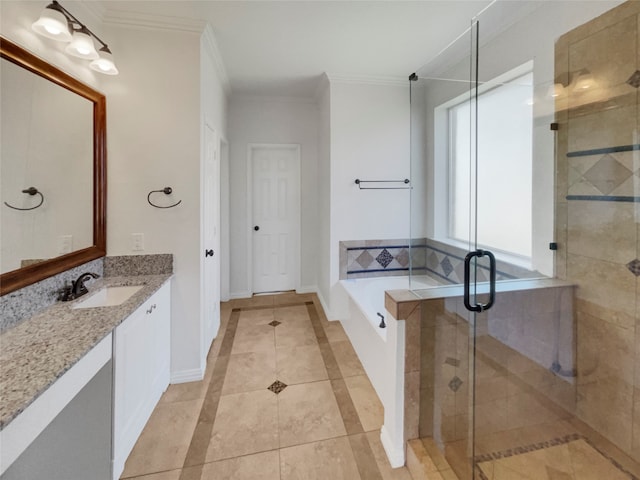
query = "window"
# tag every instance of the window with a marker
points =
(505, 128)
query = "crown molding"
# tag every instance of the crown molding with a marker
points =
(391, 81)
(211, 48)
(153, 21)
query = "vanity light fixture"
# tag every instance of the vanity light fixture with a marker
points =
(57, 23)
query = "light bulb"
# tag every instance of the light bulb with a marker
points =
(104, 64)
(52, 29)
(52, 24)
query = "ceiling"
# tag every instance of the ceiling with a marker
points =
(281, 48)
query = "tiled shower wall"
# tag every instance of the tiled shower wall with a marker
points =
(377, 258)
(525, 351)
(598, 196)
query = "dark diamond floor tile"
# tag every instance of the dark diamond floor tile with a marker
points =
(275, 323)
(277, 386)
(455, 384)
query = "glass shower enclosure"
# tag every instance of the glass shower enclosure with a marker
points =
(525, 145)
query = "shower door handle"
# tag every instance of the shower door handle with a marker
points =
(479, 307)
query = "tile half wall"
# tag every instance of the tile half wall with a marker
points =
(422, 256)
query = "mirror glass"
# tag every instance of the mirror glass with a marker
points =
(52, 170)
(46, 142)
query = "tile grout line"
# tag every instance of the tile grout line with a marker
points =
(357, 437)
(196, 455)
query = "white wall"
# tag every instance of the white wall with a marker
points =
(272, 120)
(153, 133)
(155, 113)
(369, 131)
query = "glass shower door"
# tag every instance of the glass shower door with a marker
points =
(554, 191)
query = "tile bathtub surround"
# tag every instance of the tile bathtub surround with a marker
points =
(36, 352)
(138, 265)
(284, 397)
(22, 304)
(446, 263)
(376, 258)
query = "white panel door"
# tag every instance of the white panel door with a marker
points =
(211, 242)
(276, 217)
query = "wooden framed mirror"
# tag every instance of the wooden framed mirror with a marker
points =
(79, 189)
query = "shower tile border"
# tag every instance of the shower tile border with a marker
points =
(533, 447)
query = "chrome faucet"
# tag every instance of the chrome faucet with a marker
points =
(77, 288)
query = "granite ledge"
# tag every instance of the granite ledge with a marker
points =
(38, 351)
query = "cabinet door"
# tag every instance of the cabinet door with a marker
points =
(132, 380)
(160, 326)
(142, 362)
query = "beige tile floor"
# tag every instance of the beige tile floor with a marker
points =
(323, 425)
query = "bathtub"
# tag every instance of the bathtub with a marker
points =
(368, 294)
(381, 350)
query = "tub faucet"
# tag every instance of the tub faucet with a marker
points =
(78, 288)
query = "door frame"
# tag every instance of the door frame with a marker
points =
(205, 343)
(297, 236)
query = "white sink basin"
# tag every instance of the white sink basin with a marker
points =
(108, 297)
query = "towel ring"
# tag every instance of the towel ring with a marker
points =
(166, 191)
(31, 191)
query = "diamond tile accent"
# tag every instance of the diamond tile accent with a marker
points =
(446, 266)
(634, 79)
(277, 386)
(365, 259)
(455, 383)
(275, 323)
(432, 261)
(385, 258)
(607, 174)
(634, 267)
(403, 257)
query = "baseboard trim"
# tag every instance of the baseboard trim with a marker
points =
(396, 458)
(307, 289)
(325, 307)
(245, 294)
(185, 376)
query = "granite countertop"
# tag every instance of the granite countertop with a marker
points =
(38, 351)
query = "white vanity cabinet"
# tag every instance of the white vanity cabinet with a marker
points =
(141, 353)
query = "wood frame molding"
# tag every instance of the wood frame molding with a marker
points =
(22, 277)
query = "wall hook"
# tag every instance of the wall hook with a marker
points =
(31, 191)
(166, 191)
